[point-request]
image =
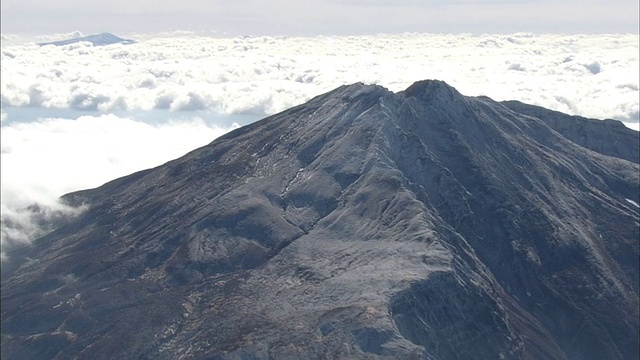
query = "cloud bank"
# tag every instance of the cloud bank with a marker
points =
(108, 100)
(589, 75)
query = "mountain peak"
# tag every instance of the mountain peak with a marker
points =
(357, 90)
(361, 224)
(101, 39)
(431, 90)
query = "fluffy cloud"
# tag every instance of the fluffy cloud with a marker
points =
(589, 75)
(184, 75)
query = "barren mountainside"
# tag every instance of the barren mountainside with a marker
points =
(363, 224)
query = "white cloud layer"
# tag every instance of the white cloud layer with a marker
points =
(186, 75)
(590, 75)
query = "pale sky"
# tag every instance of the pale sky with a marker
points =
(313, 17)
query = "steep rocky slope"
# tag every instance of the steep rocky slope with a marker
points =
(363, 224)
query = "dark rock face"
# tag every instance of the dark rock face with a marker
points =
(362, 224)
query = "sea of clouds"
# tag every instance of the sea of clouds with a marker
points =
(76, 116)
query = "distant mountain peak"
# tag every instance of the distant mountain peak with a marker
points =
(101, 39)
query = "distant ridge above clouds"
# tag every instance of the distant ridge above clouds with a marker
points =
(102, 39)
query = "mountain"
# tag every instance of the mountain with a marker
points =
(96, 39)
(363, 224)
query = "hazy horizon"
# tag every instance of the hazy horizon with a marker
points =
(321, 17)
